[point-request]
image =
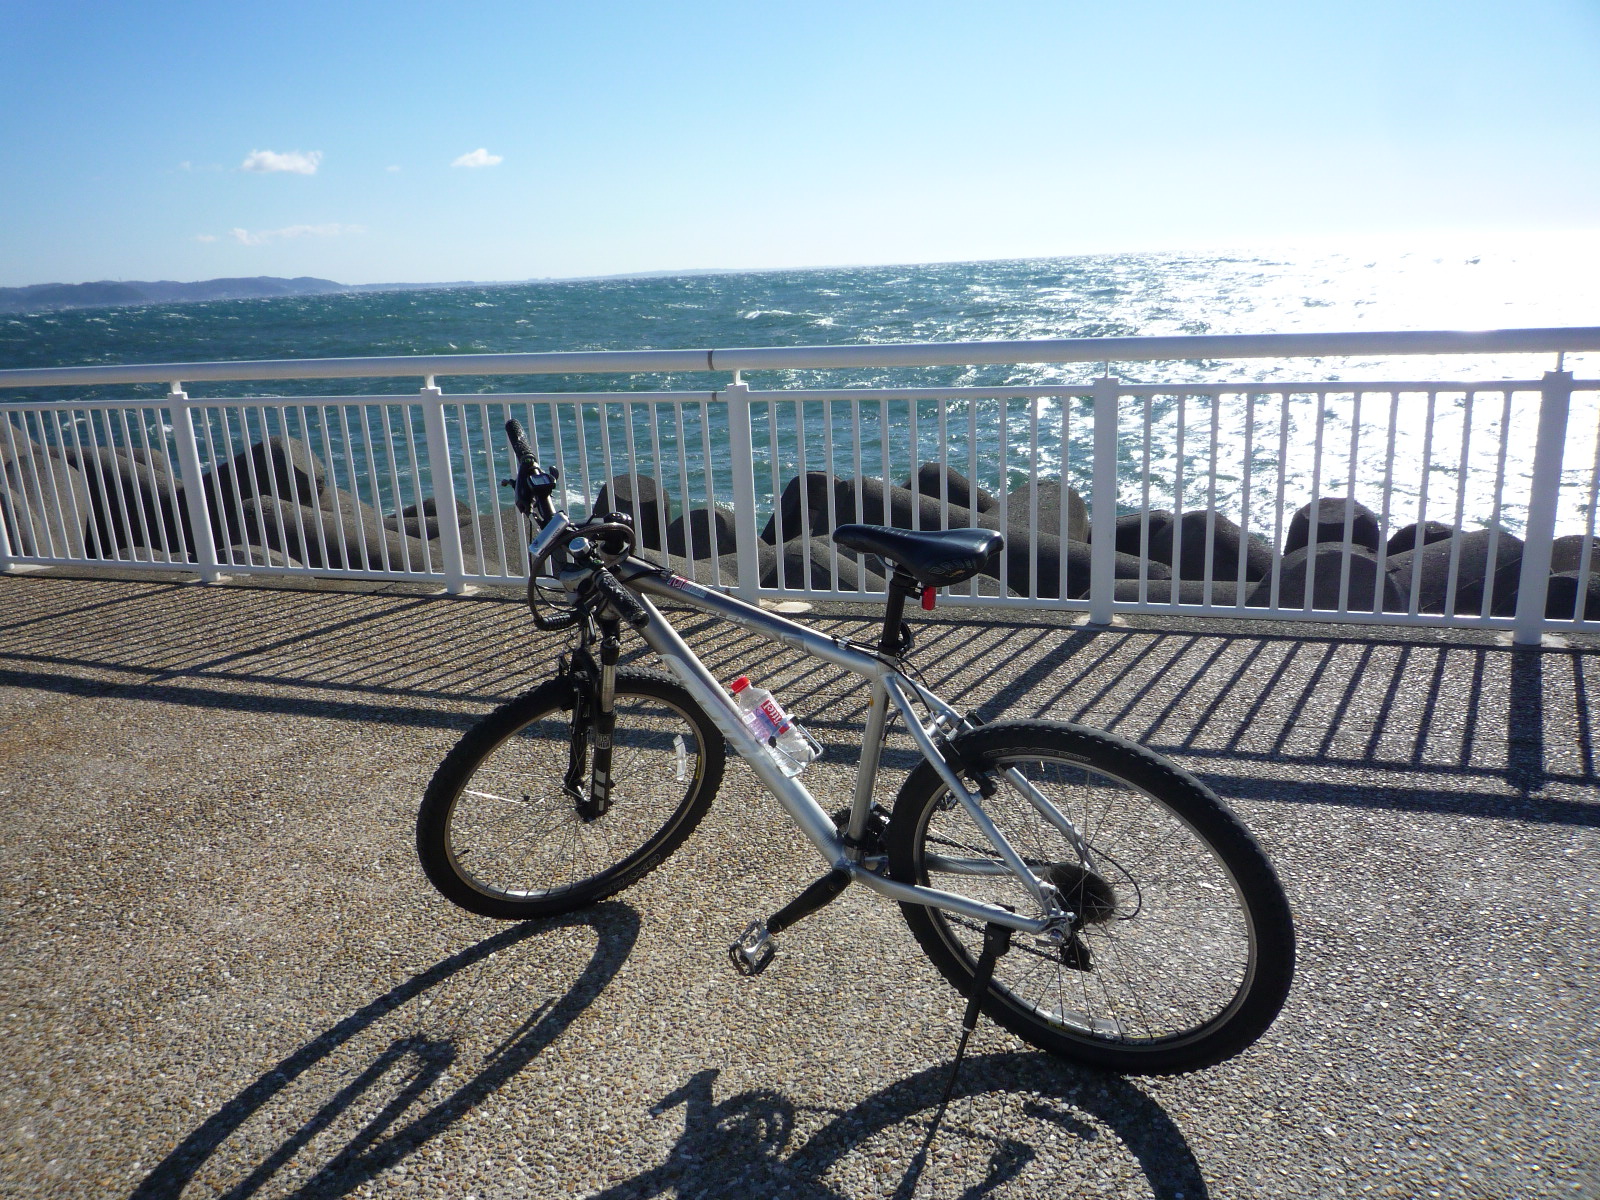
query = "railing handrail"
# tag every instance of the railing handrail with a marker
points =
(1574, 339)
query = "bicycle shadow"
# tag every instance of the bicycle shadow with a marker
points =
(419, 1031)
(736, 1148)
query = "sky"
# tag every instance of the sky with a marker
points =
(516, 139)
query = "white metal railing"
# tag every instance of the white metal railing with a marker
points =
(741, 486)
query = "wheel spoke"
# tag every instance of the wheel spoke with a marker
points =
(1166, 965)
(503, 808)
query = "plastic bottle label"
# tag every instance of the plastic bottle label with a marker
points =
(775, 717)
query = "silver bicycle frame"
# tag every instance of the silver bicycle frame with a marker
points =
(888, 686)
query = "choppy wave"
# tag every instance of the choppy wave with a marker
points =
(1093, 296)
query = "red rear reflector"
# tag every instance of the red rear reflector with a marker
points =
(927, 599)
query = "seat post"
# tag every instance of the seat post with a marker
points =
(901, 585)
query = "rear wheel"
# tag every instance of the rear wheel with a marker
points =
(1184, 948)
(499, 835)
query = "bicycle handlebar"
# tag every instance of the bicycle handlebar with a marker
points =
(555, 530)
(519, 445)
(533, 483)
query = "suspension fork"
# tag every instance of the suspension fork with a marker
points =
(594, 723)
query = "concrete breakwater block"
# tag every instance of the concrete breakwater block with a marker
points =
(1329, 516)
(805, 503)
(494, 543)
(1050, 496)
(1316, 578)
(1429, 567)
(1566, 593)
(1189, 591)
(946, 483)
(422, 520)
(817, 501)
(724, 570)
(643, 499)
(1566, 553)
(134, 503)
(871, 502)
(1132, 537)
(1571, 597)
(256, 497)
(44, 500)
(791, 558)
(1410, 537)
(342, 533)
(278, 468)
(1053, 553)
(1502, 588)
(802, 508)
(1183, 545)
(692, 538)
(256, 556)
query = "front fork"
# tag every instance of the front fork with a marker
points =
(594, 723)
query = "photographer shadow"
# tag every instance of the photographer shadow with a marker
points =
(739, 1147)
(404, 1071)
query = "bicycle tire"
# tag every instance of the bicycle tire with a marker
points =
(1189, 960)
(497, 855)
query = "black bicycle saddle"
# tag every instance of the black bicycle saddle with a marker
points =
(933, 557)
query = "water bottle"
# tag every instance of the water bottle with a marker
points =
(790, 746)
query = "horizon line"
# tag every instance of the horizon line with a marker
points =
(1326, 243)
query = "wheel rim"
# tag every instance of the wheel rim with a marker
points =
(1174, 959)
(514, 834)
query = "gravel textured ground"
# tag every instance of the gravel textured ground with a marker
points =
(223, 973)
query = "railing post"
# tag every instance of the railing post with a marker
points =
(442, 480)
(9, 505)
(5, 541)
(1555, 399)
(194, 489)
(744, 487)
(1103, 503)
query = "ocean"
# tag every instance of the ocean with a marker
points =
(1534, 284)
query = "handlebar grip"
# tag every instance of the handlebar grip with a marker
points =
(621, 599)
(519, 444)
(551, 624)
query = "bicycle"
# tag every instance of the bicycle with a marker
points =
(1090, 896)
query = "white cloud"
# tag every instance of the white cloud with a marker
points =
(478, 158)
(392, 169)
(246, 237)
(270, 161)
(205, 237)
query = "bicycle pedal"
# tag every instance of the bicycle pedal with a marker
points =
(753, 951)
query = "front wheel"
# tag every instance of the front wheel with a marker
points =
(1183, 947)
(499, 835)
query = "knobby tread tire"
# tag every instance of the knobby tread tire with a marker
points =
(1270, 972)
(479, 743)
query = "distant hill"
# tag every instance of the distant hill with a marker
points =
(46, 296)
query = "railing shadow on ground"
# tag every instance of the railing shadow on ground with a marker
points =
(1113, 679)
(378, 1093)
(1526, 767)
(740, 1146)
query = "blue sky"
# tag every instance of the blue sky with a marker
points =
(195, 140)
